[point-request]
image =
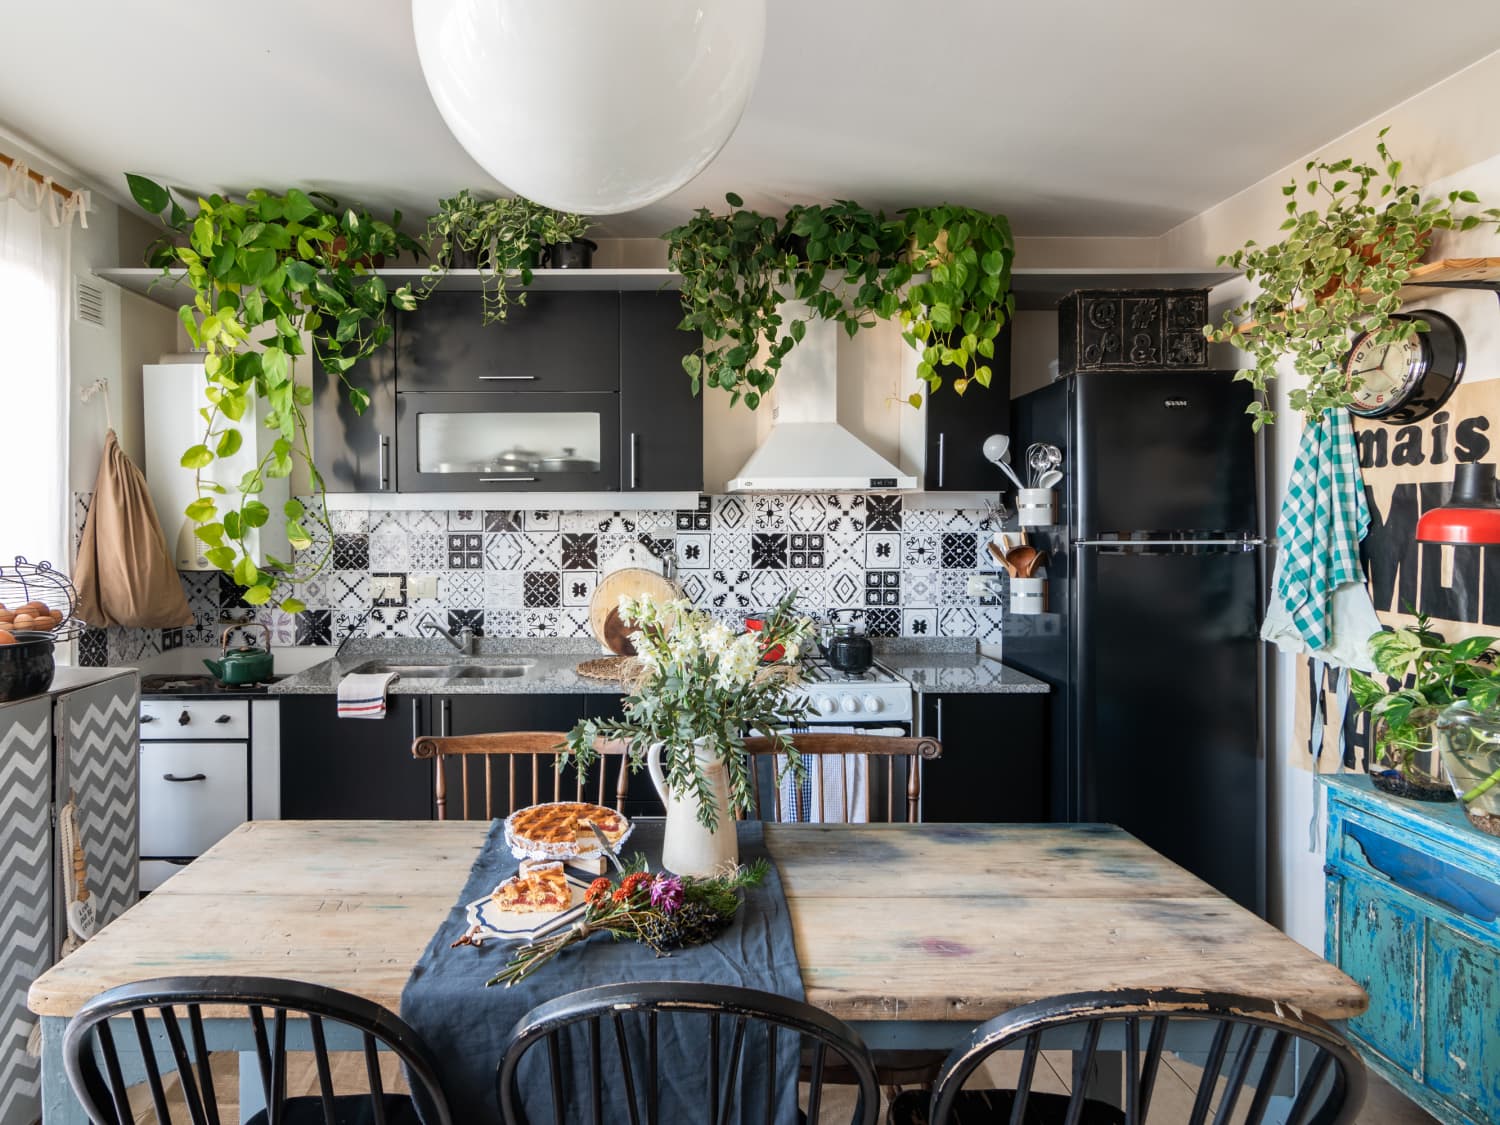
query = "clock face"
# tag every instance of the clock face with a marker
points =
(1403, 382)
(1383, 372)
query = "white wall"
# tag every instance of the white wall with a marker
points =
(1447, 137)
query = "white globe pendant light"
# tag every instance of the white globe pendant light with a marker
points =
(595, 106)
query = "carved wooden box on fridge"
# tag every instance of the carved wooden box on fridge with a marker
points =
(1413, 904)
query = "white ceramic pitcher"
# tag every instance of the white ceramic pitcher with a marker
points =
(689, 848)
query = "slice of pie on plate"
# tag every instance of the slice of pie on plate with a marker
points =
(560, 830)
(539, 887)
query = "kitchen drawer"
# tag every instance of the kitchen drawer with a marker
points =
(186, 816)
(195, 718)
(1371, 846)
(155, 872)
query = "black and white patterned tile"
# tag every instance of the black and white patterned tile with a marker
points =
(463, 589)
(882, 549)
(542, 551)
(920, 551)
(883, 622)
(883, 513)
(958, 621)
(497, 520)
(882, 589)
(542, 589)
(919, 623)
(960, 550)
(465, 550)
(314, 627)
(806, 550)
(694, 550)
(466, 619)
(502, 590)
(390, 549)
(730, 514)
(731, 551)
(465, 519)
(579, 551)
(768, 550)
(578, 586)
(541, 520)
(730, 594)
(429, 550)
(350, 522)
(502, 551)
(767, 587)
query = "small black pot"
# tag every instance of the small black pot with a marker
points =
(849, 651)
(575, 255)
(26, 668)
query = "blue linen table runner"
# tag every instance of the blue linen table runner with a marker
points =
(466, 1025)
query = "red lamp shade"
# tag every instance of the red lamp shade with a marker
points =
(1471, 517)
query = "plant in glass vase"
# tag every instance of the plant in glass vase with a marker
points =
(1426, 675)
(702, 688)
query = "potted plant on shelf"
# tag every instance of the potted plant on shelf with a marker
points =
(498, 236)
(1337, 271)
(265, 272)
(700, 689)
(1426, 674)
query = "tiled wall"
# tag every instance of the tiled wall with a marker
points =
(899, 572)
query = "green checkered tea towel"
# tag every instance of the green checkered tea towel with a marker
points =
(1323, 518)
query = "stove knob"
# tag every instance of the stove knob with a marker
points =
(873, 704)
(850, 704)
(825, 705)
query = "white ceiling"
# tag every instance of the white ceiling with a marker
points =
(1075, 117)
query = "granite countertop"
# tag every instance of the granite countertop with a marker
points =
(930, 665)
(957, 668)
(551, 668)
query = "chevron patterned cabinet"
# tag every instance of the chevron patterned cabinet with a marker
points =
(78, 740)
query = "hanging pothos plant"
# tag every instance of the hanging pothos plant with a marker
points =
(1337, 271)
(264, 272)
(496, 236)
(944, 270)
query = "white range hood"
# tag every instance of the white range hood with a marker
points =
(806, 449)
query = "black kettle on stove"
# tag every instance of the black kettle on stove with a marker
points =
(848, 651)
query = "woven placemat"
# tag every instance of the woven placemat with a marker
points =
(620, 668)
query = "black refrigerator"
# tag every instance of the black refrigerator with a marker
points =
(1157, 580)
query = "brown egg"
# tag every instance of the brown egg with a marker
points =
(33, 608)
(42, 624)
(6, 638)
(7, 615)
(22, 621)
(57, 616)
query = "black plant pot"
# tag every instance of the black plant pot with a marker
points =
(26, 668)
(575, 255)
(463, 258)
(1398, 784)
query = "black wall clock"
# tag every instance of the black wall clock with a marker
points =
(1406, 381)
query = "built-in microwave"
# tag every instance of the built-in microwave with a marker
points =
(498, 441)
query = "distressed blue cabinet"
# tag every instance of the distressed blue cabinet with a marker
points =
(1414, 916)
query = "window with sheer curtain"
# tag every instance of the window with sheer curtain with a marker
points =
(34, 503)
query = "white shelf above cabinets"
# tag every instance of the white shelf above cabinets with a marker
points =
(1035, 289)
(173, 291)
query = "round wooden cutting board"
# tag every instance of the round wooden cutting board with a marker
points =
(604, 606)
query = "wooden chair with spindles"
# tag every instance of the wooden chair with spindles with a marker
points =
(516, 769)
(892, 780)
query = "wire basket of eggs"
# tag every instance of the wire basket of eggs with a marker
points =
(37, 607)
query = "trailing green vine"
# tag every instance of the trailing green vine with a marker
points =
(290, 266)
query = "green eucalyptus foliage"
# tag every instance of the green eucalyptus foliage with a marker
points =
(265, 273)
(503, 235)
(1425, 674)
(945, 271)
(1354, 232)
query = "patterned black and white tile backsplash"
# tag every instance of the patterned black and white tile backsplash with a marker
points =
(895, 571)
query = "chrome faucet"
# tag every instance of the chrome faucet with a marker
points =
(466, 642)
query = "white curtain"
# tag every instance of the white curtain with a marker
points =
(34, 252)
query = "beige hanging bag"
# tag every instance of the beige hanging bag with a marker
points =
(125, 574)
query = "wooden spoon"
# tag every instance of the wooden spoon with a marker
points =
(1036, 562)
(1021, 561)
(1000, 557)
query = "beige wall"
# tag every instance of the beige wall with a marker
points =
(1448, 137)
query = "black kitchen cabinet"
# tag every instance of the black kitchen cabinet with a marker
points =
(566, 341)
(661, 420)
(958, 424)
(641, 796)
(353, 769)
(994, 764)
(357, 452)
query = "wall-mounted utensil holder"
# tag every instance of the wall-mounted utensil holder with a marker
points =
(1036, 507)
(1028, 595)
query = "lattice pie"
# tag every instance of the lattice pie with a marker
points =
(537, 888)
(560, 830)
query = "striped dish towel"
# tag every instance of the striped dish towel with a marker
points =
(363, 696)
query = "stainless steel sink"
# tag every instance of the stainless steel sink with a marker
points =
(445, 669)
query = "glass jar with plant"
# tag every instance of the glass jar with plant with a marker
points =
(1337, 271)
(499, 237)
(1426, 674)
(1468, 736)
(265, 271)
(953, 315)
(700, 690)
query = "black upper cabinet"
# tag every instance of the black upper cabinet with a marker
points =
(566, 341)
(661, 420)
(958, 424)
(357, 452)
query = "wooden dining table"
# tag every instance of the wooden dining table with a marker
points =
(913, 933)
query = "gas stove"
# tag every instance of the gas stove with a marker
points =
(877, 695)
(198, 683)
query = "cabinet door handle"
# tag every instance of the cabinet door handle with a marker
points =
(506, 480)
(445, 714)
(416, 718)
(383, 464)
(190, 777)
(635, 460)
(940, 458)
(184, 719)
(508, 378)
(225, 719)
(937, 714)
(1330, 870)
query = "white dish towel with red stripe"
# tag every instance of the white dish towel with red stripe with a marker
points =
(363, 696)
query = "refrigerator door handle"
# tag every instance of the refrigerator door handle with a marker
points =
(1169, 542)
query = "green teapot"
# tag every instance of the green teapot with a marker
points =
(248, 664)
